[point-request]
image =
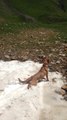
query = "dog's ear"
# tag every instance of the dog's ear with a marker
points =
(41, 58)
(44, 59)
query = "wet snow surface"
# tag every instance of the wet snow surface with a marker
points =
(40, 102)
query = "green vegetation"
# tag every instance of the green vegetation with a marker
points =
(42, 10)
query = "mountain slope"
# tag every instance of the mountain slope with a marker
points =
(41, 10)
(50, 10)
(6, 13)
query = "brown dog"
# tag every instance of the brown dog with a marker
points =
(33, 80)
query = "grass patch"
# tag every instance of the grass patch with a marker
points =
(61, 28)
(15, 27)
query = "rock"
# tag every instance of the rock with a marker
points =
(63, 92)
(65, 97)
(7, 56)
(64, 87)
(60, 92)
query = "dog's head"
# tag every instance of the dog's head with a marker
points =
(45, 60)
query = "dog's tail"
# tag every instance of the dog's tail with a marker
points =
(24, 82)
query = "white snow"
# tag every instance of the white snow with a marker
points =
(38, 103)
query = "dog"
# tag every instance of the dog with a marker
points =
(39, 76)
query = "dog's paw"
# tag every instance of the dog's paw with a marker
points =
(47, 80)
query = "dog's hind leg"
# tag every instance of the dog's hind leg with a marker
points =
(29, 85)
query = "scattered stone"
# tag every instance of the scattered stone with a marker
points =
(56, 42)
(58, 62)
(54, 80)
(62, 55)
(7, 56)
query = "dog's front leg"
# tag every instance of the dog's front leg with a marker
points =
(47, 76)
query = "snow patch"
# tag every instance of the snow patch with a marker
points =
(17, 102)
